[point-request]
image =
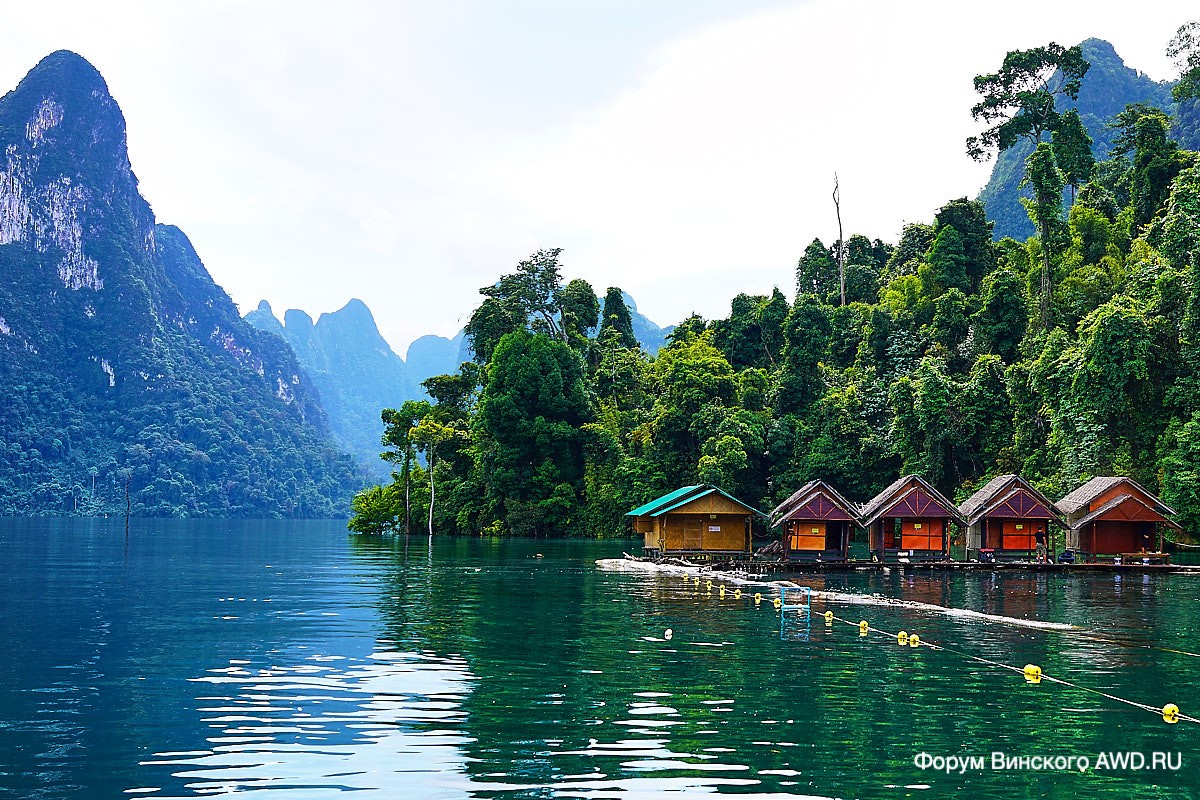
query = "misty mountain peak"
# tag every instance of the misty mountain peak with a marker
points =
(66, 116)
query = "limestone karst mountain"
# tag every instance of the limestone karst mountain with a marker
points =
(1107, 88)
(124, 366)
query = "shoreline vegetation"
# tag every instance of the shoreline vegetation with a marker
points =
(1072, 354)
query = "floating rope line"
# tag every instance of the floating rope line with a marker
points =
(1170, 712)
(1139, 645)
(1026, 671)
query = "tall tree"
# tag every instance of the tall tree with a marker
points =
(427, 435)
(816, 272)
(1073, 151)
(1045, 210)
(947, 264)
(399, 425)
(1019, 100)
(530, 449)
(806, 334)
(579, 312)
(615, 317)
(970, 221)
(1185, 49)
(1156, 162)
(532, 297)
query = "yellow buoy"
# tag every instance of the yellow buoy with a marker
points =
(1170, 713)
(737, 593)
(1033, 673)
(722, 590)
(863, 627)
(902, 638)
(757, 598)
(697, 581)
(914, 640)
(708, 584)
(777, 602)
(828, 617)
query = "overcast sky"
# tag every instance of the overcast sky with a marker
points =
(407, 153)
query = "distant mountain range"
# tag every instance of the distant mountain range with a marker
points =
(124, 367)
(1107, 88)
(357, 374)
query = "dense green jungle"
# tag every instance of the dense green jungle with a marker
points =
(951, 354)
(130, 383)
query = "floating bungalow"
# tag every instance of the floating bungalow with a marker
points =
(1004, 518)
(910, 521)
(1111, 517)
(695, 520)
(817, 522)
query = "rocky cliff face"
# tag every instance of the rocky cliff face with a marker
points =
(125, 363)
(358, 374)
(354, 369)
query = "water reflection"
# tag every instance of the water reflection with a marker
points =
(387, 727)
(291, 662)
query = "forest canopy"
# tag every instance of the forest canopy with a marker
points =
(1071, 354)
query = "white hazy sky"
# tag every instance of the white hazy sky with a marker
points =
(407, 153)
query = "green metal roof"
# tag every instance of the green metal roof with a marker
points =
(666, 498)
(681, 497)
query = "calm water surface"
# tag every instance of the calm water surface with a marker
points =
(290, 660)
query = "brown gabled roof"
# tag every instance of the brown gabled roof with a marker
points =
(875, 507)
(987, 492)
(1118, 501)
(998, 490)
(805, 493)
(872, 505)
(1075, 501)
(791, 502)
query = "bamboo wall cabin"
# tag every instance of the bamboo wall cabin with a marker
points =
(1003, 519)
(910, 521)
(699, 519)
(817, 522)
(1114, 516)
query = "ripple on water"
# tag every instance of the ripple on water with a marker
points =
(385, 726)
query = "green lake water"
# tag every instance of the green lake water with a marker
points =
(287, 660)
